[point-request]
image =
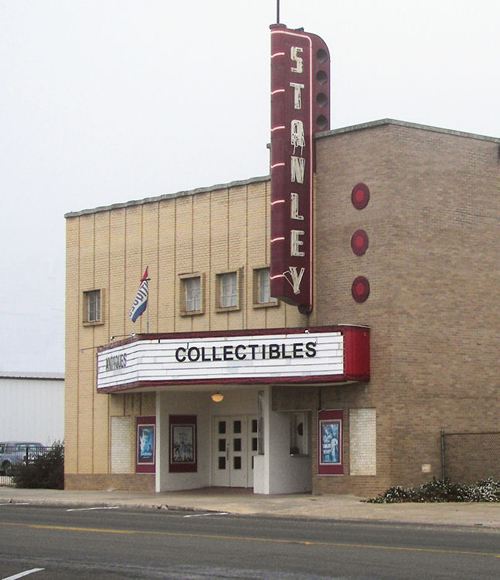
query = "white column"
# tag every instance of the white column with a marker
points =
(158, 443)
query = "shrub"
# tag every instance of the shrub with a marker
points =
(45, 471)
(442, 490)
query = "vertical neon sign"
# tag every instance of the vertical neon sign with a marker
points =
(300, 106)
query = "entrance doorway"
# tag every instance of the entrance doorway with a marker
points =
(234, 448)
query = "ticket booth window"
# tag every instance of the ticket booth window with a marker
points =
(299, 434)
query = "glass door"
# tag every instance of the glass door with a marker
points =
(234, 445)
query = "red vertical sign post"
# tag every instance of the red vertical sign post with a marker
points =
(300, 106)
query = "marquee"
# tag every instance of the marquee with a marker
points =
(316, 355)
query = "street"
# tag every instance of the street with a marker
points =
(61, 542)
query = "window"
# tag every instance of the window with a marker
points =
(92, 307)
(262, 288)
(191, 294)
(227, 290)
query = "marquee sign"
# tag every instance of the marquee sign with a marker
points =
(300, 103)
(319, 355)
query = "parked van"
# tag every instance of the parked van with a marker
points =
(16, 452)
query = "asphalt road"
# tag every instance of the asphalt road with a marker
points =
(61, 542)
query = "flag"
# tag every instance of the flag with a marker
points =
(141, 298)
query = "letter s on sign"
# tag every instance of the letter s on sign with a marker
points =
(310, 349)
(295, 51)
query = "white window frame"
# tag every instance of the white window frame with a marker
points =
(228, 291)
(262, 288)
(93, 306)
(193, 305)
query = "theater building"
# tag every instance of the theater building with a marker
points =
(221, 383)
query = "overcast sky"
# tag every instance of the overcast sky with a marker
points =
(103, 101)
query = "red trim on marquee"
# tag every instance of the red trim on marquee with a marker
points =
(220, 333)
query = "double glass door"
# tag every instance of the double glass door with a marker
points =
(234, 447)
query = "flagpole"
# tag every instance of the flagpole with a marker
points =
(147, 308)
(147, 319)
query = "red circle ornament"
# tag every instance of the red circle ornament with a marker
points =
(360, 289)
(360, 196)
(359, 242)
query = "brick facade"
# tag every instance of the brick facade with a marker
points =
(208, 231)
(432, 264)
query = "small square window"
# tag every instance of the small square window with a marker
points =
(92, 307)
(228, 291)
(191, 295)
(262, 288)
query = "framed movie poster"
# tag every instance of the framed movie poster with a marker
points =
(146, 445)
(183, 448)
(330, 443)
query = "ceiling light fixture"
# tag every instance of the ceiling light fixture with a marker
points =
(217, 397)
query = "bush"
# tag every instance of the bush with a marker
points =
(45, 471)
(439, 490)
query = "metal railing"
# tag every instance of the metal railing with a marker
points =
(469, 457)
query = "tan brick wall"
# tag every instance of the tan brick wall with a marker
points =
(207, 232)
(432, 263)
(72, 351)
(470, 457)
(144, 482)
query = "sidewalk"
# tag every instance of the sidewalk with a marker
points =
(335, 507)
